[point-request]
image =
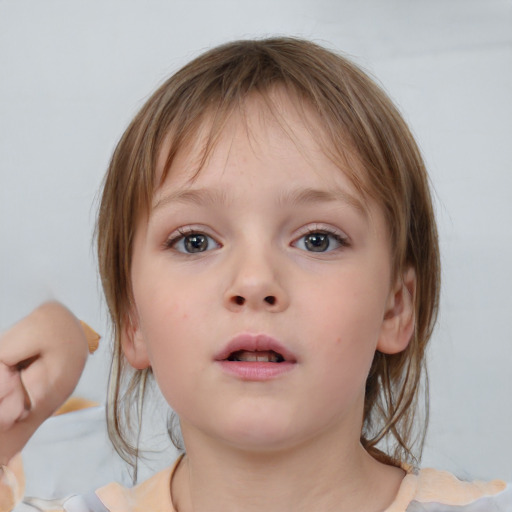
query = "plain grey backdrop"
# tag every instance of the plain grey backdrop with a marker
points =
(73, 73)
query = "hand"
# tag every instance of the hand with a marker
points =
(41, 360)
(14, 401)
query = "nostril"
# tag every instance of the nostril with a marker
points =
(270, 299)
(239, 300)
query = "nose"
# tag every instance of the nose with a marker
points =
(256, 283)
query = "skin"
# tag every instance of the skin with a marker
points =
(41, 359)
(290, 442)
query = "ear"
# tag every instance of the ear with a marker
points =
(399, 319)
(133, 343)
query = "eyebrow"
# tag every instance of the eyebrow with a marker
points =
(313, 195)
(201, 196)
(302, 196)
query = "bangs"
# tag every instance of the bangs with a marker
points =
(198, 137)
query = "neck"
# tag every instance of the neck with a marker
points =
(333, 477)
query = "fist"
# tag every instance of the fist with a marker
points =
(41, 360)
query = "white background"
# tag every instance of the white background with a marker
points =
(73, 73)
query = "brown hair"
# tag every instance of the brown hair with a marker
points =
(354, 113)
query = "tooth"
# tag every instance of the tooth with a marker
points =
(260, 357)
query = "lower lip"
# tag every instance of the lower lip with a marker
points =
(254, 370)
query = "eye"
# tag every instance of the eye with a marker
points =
(192, 243)
(320, 241)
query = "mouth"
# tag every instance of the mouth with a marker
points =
(255, 357)
(255, 348)
(258, 356)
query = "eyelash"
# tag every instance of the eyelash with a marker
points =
(182, 234)
(340, 239)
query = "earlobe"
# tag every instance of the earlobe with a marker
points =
(133, 344)
(399, 319)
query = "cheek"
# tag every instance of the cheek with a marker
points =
(162, 329)
(162, 298)
(170, 353)
(349, 326)
(351, 310)
(173, 328)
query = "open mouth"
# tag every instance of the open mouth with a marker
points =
(256, 356)
(259, 349)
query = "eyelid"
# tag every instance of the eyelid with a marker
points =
(180, 233)
(341, 238)
(322, 228)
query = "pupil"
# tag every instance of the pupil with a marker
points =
(196, 243)
(317, 242)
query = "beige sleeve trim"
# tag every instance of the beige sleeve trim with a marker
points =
(433, 486)
(152, 495)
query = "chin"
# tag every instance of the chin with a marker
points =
(260, 436)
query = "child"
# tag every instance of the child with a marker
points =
(268, 251)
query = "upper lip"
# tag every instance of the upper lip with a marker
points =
(254, 343)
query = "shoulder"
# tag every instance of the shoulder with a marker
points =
(430, 490)
(153, 494)
(427, 490)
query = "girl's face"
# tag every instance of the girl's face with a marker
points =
(262, 287)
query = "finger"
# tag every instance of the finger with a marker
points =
(7, 382)
(18, 346)
(12, 408)
(27, 399)
(36, 388)
(13, 400)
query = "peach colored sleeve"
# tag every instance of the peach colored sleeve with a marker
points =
(434, 485)
(443, 488)
(153, 494)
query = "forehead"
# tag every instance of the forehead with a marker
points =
(278, 131)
